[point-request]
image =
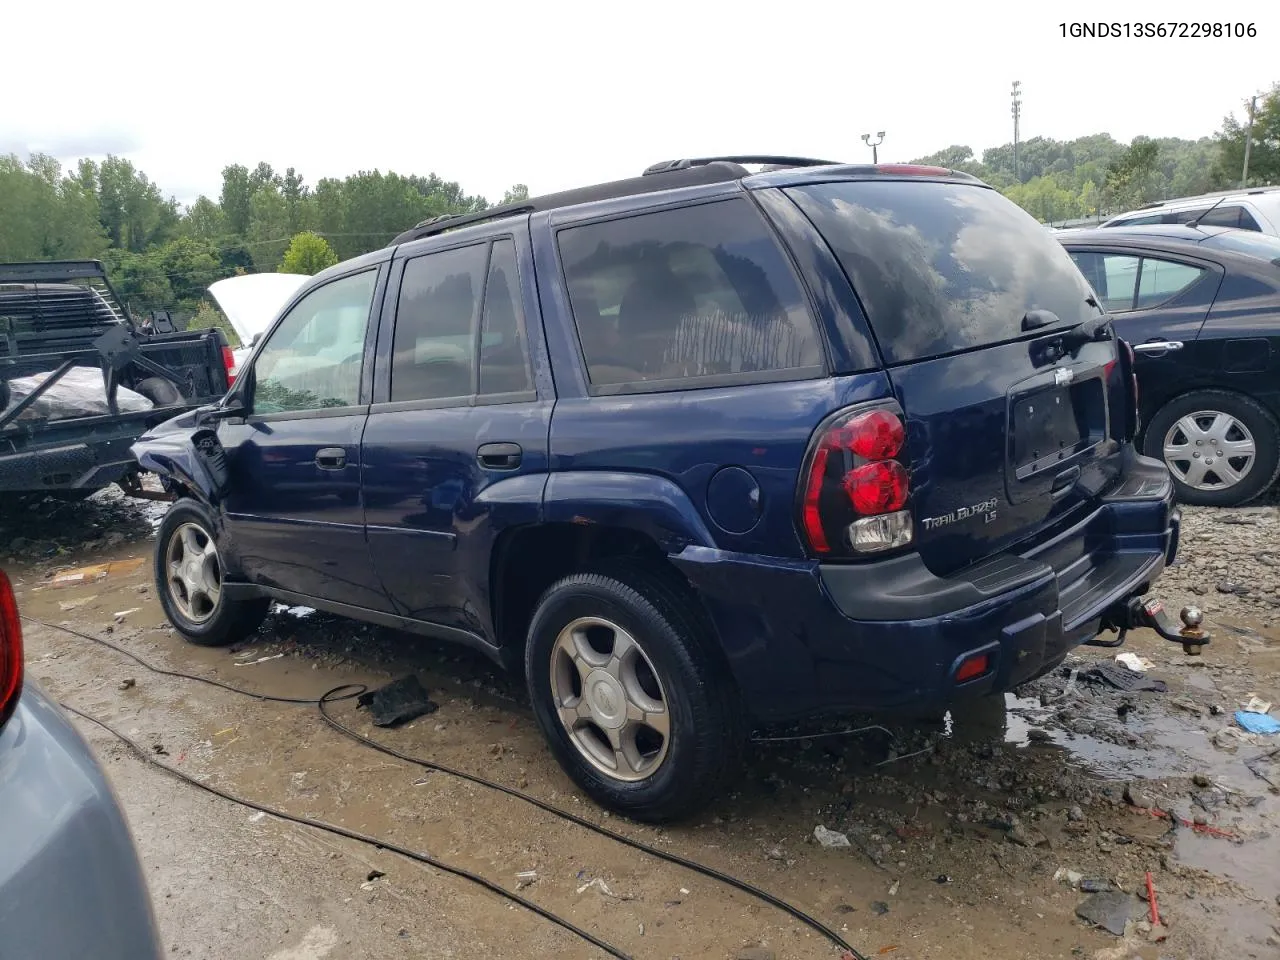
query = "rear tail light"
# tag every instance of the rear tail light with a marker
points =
(855, 487)
(10, 650)
(229, 361)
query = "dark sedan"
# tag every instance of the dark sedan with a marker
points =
(1201, 307)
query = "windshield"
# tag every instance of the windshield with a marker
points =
(1260, 246)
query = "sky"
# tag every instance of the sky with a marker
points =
(560, 93)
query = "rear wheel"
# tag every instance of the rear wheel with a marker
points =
(189, 580)
(625, 689)
(1223, 449)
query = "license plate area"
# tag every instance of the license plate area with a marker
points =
(1052, 425)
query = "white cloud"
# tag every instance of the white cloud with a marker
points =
(562, 92)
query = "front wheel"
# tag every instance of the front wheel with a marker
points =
(189, 580)
(626, 690)
(1223, 449)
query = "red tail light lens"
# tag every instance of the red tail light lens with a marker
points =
(973, 667)
(879, 487)
(853, 474)
(10, 650)
(229, 361)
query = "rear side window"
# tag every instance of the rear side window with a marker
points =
(1259, 245)
(698, 293)
(504, 353)
(1161, 280)
(1113, 275)
(943, 267)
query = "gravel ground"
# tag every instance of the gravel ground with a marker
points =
(981, 835)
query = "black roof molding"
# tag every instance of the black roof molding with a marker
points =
(668, 175)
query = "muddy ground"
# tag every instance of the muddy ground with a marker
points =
(969, 838)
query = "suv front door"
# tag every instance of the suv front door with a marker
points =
(293, 510)
(456, 445)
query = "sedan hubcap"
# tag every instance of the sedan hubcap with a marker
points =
(609, 699)
(194, 572)
(1209, 450)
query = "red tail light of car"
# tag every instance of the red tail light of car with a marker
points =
(855, 486)
(229, 361)
(10, 650)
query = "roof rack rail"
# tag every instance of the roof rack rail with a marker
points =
(666, 166)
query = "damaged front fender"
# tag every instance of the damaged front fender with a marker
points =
(186, 452)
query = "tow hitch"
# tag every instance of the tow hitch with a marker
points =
(1136, 612)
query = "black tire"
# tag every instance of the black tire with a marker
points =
(230, 619)
(1248, 412)
(706, 731)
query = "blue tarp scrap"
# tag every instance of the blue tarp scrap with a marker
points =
(1257, 722)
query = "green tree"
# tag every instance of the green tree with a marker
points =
(1264, 151)
(237, 199)
(205, 220)
(308, 253)
(190, 265)
(1131, 176)
(516, 194)
(45, 216)
(134, 212)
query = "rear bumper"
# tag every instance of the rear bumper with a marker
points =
(805, 638)
(70, 881)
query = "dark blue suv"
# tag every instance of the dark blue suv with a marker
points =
(694, 450)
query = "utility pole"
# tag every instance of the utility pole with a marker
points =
(1248, 142)
(875, 154)
(1016, 111)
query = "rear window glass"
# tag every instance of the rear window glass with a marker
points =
(1259, 245)
(943, 267)
(697, 293)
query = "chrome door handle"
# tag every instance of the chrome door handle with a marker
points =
(1157, 346)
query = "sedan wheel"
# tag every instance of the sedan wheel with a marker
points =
(194, 573)
(1209, 450)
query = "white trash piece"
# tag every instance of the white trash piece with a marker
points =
(829, 838)
(80, 392)
(1134, 662)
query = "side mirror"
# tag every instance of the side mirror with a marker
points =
(256, 337)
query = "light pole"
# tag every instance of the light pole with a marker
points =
(1016, 111)
(1248, 142)
(875, 154)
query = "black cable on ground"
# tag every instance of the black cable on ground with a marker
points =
(327, 698)
(354, 835)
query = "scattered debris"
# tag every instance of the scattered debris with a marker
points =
(829, 838)
(1136, 796)
(66, 606)
(942, 878)
(375, 875)
(250, 663)
(121, 614)
(398, 702)
(1260, 723)
(1134, 662)
(879, 908)
(1110, 911)
(1070, 877)
(526, 878)
(97, 571)
(1122, 678)
(257, 817)
(604, 888)
(1075, 813)
(1256, 704)
(1095, 885)
(893, 888)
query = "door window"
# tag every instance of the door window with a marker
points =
(1114, 277)
(314, 357)
(1163, 279)
(434, 348)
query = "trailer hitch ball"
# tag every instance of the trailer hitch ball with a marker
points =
(1192, 616)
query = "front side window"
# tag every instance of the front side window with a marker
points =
(434, 348)
(698, 293)
(314, 356)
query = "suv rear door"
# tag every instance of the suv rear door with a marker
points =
(1011, 428)
(456, 444)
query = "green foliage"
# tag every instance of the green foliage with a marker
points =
(308, 254)
(45, 216)
(207, 316)
(1264, 154)
(516, 194)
